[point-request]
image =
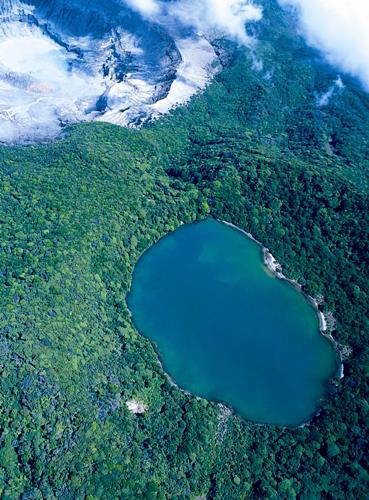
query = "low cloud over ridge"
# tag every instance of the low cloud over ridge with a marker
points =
(340, 29)
(226, 16)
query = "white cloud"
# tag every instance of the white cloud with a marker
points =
(146, 8)
(37, 89)
(226, 16)
(323, 99)
(339, 28)
(44, 86)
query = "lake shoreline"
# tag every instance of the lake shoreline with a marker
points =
(275, 268)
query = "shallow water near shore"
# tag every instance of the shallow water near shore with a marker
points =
(228, 330)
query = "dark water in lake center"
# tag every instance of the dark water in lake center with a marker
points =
(229, 331)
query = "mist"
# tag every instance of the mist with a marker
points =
(324, 99)
(226, 17)
(340, 29)
(38, 92)
(45, 83)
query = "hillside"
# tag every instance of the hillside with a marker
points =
(254, 149)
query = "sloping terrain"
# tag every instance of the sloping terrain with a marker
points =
(67, 61)
(255, 149)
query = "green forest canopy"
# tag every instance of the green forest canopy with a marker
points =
(75, 216)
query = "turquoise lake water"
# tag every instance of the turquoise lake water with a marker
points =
(227, 330)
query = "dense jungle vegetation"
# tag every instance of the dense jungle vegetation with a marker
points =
(75, 215)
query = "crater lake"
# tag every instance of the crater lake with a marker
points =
(227, 329)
